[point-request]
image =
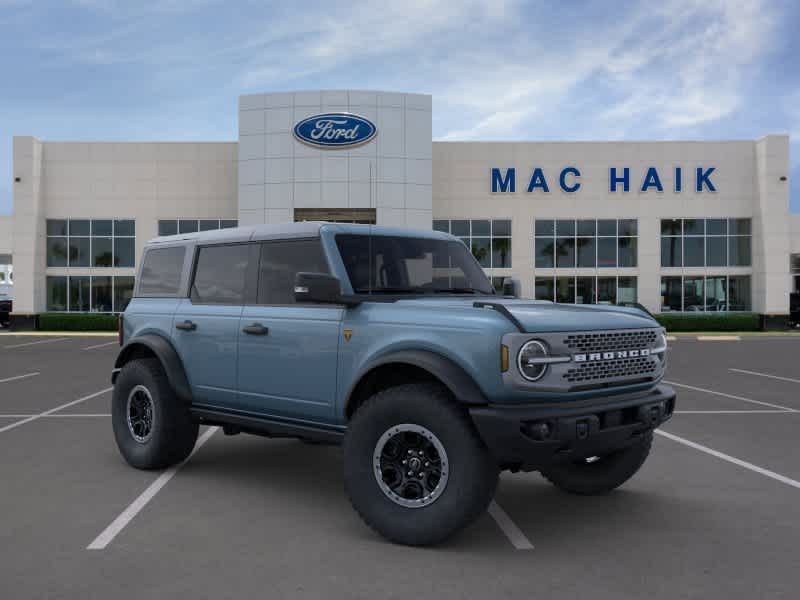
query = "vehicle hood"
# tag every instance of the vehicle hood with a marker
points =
(542, 317)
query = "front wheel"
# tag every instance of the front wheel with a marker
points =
(152, 426)
(600, 474)
(414, 467)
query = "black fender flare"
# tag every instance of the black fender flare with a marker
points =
(454, 378)
(167, 356)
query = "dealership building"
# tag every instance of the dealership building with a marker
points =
(692, 226)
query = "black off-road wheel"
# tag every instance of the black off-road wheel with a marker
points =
(153, 428)
(414, 467)
(600, 474)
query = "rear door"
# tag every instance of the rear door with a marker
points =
(206, 324)
(288, 352)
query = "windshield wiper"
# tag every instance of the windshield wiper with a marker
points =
(391, 290)
(459, 290)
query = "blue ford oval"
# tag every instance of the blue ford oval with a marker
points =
(335, 130)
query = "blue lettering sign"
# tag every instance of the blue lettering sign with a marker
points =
(703, 179)
(678, 180)
(501, 184)
(538, 181)
(652, 180)
(625, 180)
(562, 180)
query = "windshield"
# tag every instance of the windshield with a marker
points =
(396, 265)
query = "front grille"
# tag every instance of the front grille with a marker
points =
(600, 370)
(634, 339)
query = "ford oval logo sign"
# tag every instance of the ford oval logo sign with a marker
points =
(335, 130)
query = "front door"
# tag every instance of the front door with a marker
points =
(206, 325)
(288, 352)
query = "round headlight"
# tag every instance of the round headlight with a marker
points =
(529, 367)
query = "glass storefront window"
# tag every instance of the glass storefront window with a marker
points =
(79, 294)
(606, 290)
(544, 288)
(585, 290)
(57, 293)
(626, 290)
(586, 243)
(565, 290)
(90, 243)
(671, 294)
(711, 293)
(489, 240)
(88, 294)
(102, 294)
(706, 242)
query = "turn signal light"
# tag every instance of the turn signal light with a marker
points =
(503, 358)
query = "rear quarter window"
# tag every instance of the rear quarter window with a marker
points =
(161, 271)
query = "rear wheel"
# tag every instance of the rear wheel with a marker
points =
(600, 474)
(152, 427)
(414, 467)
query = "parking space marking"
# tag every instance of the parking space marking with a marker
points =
(735, 412)
(100, 345)
(47, 413)
(109, 533)
(57, 415)
(724, 395)
(509, 528)
(778, 377)
(718, 338)
(35, 343)
(15, 378)
(731, 459)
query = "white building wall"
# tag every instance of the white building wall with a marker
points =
(462, 189)
(391, 173)
(111, 180)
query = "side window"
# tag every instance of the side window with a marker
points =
(161, 271)
(219, 276)
(280, 262)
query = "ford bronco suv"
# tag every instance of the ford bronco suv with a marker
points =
(393, 343)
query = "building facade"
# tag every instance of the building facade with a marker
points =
(678, 226)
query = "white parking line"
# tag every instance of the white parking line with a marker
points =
(507, 526)
(724, 395)
(100, 345)
(765, 375)
(718, 338)
(47, 413)
(35, 343)
(109, 533)
(7, 379)
(58, 415)
(731, 459)
(734, 412)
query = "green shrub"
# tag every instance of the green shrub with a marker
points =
(710, 322)
(77, 322)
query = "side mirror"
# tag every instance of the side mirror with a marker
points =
(317, 287)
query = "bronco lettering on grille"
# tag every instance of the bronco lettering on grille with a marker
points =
(594, 356)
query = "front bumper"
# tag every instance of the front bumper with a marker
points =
(533, 436)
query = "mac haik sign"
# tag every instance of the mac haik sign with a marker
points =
(620, 179)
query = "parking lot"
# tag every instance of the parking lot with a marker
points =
(714, 513)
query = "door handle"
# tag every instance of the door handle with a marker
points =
(256, 329)
(186, 326)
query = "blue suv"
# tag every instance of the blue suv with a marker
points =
(393, 343)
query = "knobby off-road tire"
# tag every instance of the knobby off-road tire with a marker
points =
(169, 435)
(421, 419)
(602, 475)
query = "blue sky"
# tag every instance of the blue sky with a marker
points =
(172, 69)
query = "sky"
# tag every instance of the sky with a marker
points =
(497, 69)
